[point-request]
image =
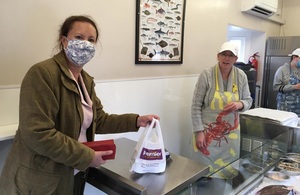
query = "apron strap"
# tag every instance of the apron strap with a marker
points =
(234, 89)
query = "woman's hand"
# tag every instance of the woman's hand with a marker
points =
(233, 106)
(97, 160)
(200, 139)
(297, 86)
(143, 120)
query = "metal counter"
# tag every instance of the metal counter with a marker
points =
(114, 176)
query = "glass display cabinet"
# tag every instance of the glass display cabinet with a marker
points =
(264, 143)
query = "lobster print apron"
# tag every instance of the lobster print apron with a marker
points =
(222, 132)
(289, 101)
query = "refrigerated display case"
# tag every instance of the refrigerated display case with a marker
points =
(263, 145)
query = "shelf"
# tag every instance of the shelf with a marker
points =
(8, 132)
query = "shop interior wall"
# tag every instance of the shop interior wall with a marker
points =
(29, 32)
(290, 10)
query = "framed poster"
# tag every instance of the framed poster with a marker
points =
(159, 31)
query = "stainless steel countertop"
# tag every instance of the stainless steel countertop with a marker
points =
(114, 176)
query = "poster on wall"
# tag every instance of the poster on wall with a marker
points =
(159, 31)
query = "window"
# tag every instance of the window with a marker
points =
(240, 42)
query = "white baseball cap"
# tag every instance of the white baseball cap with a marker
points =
(296, 52)
(229, 46)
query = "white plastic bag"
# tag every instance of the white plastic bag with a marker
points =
(149, 153)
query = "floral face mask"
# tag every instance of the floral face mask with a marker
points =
(80, 52)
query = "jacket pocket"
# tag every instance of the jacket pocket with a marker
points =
(33, 182)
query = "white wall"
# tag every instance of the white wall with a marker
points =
(290, 11)
(29, 31)
(9, 105)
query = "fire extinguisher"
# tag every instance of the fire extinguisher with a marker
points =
(253, 61)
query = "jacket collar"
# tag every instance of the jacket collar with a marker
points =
(66, 77)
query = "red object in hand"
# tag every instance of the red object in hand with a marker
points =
(103, 145)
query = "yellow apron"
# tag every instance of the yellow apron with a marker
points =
(222, 132)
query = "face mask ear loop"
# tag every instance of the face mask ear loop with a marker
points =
(67, 40)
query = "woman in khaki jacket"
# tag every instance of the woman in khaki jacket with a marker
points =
(59, 109)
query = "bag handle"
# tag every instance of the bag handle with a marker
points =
(157, 129)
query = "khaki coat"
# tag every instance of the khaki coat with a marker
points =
(45, 149)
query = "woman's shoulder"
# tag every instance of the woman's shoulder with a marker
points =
(45, 65)
(284, 69)
(47, 69)
(208, 71)
(285, 66)
(52, 64)
(239, 71)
